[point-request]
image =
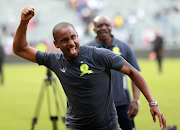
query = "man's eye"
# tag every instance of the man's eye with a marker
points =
(108, 25)
(64, 40)
(73, 36)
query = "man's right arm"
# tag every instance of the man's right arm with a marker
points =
(20, 45)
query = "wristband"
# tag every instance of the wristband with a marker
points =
(153, 103)
(137, 101)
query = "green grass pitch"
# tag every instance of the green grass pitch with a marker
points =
(23, 82)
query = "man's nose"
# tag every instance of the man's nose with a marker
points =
(104, 27)
(71, 43)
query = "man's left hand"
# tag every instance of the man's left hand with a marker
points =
(133, 110)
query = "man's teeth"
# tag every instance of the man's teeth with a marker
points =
(72, 48)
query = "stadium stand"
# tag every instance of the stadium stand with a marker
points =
(140, 17)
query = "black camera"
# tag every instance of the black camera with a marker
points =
(49, 74)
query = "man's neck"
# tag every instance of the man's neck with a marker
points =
(105, 42)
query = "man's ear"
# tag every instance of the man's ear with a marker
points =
(77, 34)
(94, 27)
(55, 44)
(94, 30)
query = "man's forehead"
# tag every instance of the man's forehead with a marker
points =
(100, 19)
(68, 29)
(65, 32)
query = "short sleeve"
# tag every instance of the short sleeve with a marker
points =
(108, 59)
(43, 58)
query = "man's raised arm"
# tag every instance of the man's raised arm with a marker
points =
(20, 44)
(141, 84)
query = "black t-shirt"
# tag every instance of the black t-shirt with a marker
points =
(87, 85)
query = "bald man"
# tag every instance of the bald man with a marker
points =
(84, 73)
(126, 108)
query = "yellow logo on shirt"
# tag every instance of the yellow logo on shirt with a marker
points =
(116, 50)
(85, 69)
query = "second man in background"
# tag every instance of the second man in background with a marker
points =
(126, 109)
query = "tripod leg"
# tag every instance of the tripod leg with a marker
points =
(48, 101)
(33, 123)
(38, 106)
(53, 118)
(61, 111)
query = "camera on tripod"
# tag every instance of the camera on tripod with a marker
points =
(50, 83)
(49, 74)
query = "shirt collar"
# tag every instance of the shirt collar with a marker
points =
(111, 44)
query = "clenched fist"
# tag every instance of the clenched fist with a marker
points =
(27, 13)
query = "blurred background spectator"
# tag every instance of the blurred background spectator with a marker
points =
(158, 50)
(1, 63)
